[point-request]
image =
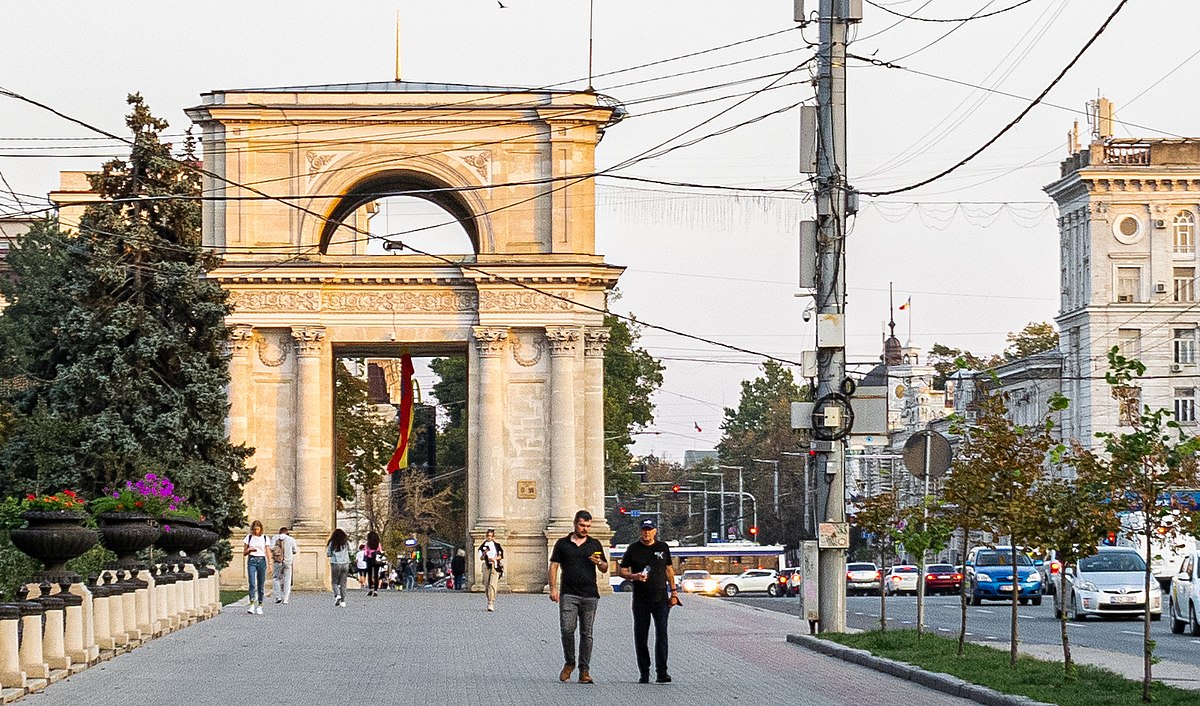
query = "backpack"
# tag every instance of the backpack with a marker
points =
(278, 551)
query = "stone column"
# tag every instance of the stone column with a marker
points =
(54, 652)
(101, 622)
(90, 648)
(11, 676)
(142, 597)
(241, 371)
(595, 341)
(563, 342)
(310, 413)
(116, 612)
(32, 663)
(73, 631)
(129, 601)
(490, 343)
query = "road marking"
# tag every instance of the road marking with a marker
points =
(1077, 625)
(985, 611)
(907, 622)
(969, 634)
(1027, 617)
(1131, 632)
(1196, 641)
(990, 638)
(948, 630)
(857, 612)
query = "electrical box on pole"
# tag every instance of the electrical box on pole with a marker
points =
(808, 254)
(808, 139)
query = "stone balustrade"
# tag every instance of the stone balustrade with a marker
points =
(54, 631)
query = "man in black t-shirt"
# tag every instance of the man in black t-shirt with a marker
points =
(647, 564)
(577, 557)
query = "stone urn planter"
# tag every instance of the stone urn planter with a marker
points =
(126, 534)
(181, 534)
(54, 537)
(210, 538)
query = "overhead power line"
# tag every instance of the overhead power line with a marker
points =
(942, 19)
(1013, 123)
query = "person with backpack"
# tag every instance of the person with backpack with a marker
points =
(373, 554)
(338, 551)
(492, 556)
(283, 551)
(255, 548)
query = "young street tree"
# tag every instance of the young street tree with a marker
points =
(879, 517)
(922, 530)
(115, 338)
(1139, 469)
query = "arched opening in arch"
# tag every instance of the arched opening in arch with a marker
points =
(400, 206)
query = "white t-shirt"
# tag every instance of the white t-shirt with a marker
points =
(258, 544)
(289, 546)
(489, 548)
(360, 560)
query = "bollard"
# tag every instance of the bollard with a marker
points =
(129, 604)
(53, 629)
(188, 590)
(116, 611)
(102, 623)
(31, 641)
(11, 676)
(172, 601)
(73, 629)
(142, 602)
(90, 648)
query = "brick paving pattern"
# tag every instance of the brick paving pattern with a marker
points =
(440, 646)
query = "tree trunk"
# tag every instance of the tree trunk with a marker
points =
(920, 595)
(1147, 643)
(1016, 594)
(963, 590)
(1068, 665)
(882, 595)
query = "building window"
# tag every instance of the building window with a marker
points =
(1184, 232)
(1129, 284)
(1185, 287)
(1185, 405)
(1129, 342)
(1185, 346)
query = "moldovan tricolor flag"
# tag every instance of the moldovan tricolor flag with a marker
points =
(698, 429)
(400, 455)
(906, 304)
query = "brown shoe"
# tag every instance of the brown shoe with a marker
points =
(585, 677)
(565, 674)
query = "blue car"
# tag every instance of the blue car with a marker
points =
(989, 573)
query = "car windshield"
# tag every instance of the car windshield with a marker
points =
(1001, 559)
(1112, 561)
(904, 570)
(860, 567)
(941, 568)
(695, 574)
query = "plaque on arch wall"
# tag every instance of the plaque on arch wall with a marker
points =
(527, 490)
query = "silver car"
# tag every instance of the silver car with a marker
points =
(1184, 602)
(862, 577)
(1110, 582)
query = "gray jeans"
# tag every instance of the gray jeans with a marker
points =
(340, 572)
(281, 583)
(571, 610)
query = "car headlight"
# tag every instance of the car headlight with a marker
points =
(984, 577)
(1087, 586)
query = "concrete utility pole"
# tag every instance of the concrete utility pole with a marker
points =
(832, 201)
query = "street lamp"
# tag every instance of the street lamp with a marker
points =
(776, 465)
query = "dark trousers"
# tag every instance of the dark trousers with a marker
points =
(643, 613)
(372, 575)
(577, 610)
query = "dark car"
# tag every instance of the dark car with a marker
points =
(789, 581)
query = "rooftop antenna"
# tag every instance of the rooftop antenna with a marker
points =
(398, 44)
(591, 27)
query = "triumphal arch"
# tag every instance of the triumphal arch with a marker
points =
(296, 172)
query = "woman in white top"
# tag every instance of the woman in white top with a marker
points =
(255, 548)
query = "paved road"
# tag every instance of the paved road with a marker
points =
(990, 623)
(443, 646)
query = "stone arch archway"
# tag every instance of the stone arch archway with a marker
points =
(535, 357)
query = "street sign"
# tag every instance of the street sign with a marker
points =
(410, 542)
(927, 450)
(635, 513)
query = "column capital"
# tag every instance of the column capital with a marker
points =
(595, 341)
(490, 340)
(241, 339)
(563, 340)
(310, 340)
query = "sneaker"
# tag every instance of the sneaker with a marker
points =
(250, 609)
(278, 601)
(258, 610)
(285, 601)
(565, 674)
(585, 677)
(644, 679)
(343, 604)
(491, 609)
(663, 678)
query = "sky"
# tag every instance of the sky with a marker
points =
(976, 251)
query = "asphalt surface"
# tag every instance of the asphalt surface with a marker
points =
(990, 623)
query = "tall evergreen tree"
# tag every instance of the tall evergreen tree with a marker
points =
(116, 338)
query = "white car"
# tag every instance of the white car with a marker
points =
(696, 581)
(1109, 582)
(1183, 604)
(902, 578)
(752, 580)
(862, 577)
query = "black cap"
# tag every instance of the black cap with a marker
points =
(648, 523)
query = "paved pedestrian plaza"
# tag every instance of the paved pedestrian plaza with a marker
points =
(441, 646)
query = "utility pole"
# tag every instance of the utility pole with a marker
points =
(832, 204)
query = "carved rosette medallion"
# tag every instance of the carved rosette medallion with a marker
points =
(563, 340)
(490, 340)
(527, 360)
(310, 340)
(480, 161)
(241, 339)
(595, 341)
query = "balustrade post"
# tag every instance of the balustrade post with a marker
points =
(116, 611)
(32, 663)
(101, 620)
(11, 675)
(73, 631)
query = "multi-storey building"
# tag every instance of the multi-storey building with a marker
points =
(1127, 226)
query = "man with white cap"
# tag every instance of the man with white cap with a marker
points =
(647, 563)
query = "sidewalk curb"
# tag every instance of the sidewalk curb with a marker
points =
(937, 681)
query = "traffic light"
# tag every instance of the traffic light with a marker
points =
(675, 488)
(622, 511)
(753, 532)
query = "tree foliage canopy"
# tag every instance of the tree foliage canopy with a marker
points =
(631, 375)
(113, 344)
